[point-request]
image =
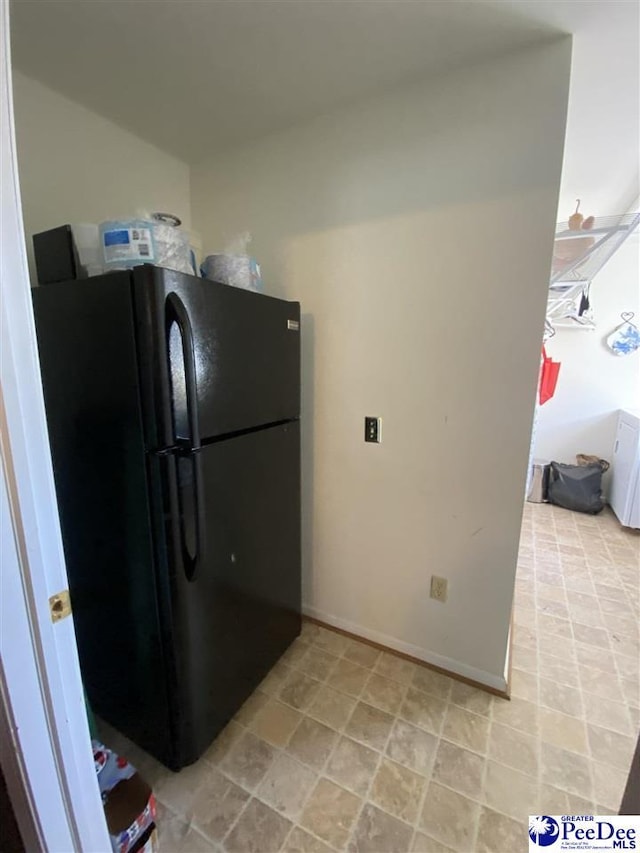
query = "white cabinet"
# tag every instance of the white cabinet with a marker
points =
(625, 477)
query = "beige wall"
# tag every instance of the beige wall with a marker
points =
(416, 230)
(76, 166)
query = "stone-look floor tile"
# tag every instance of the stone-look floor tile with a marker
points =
(497, 832)
(397, 790)
(431, 681)
(459, 768)
(424, 844)
(572, 584)
(424, 709)
(609, 715)
(524, 685)
(510, 792)
(223, 743)
(352, 765)
(599, 683)
(621, 623)
(259, 830)
(614, 607)
(590, 636)
(179, 790)
(517, 713)
(449, 818)
(525, 618)
(298, 690)
(300, 841)
(383, 693)
(613, 593)
(627, 666)
(286, 785)
(555, 801)
(251, 707)
(330, 641)
(275, 722)
(524, 636)
(610, 747)
(550, 592)
(172, 829)
(630, 692)
(586, 616)
(560, 647)
(312, 743)
(194, 842)
(548, 576)
(548, 607)
(309, 630)
(217, 806)
(361, 653)
(369, 725)
(566, 770)
(466, 729)
(332, 707)
(608, 785)
(525, 658)
(412, 747)
(318, 664)
(559, 697)
(348, 677)
(625, 645)
(247, 761)
(524, 601)
(602, 810)
(593, 657)
(273, 681)
(472, 698)
(563, 731)
(517, 750)
(295, 653)
(330, 812)
(559, 671)
(395, 667)
(377, 831)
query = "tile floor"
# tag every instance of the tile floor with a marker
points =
(343, 747)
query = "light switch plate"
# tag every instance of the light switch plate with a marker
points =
(373, 429)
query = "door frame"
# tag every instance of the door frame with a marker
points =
(46, 746)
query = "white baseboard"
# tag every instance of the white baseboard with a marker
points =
(488, 679)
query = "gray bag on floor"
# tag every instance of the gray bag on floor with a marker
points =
(576, 487)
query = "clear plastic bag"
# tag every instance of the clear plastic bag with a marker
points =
(234, 266)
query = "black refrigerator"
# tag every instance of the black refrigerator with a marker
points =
(173, 412)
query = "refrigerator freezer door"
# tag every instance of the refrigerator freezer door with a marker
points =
(235, 616)
(245, 350)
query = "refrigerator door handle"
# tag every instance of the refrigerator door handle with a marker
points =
(176, 312)
(192, 552)
(191, 508)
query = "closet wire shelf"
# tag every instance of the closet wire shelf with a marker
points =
(578, 256)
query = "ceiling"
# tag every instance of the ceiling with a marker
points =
(602, 147)
(198, 76)
(195, 77)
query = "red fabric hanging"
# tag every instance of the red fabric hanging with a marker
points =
(548, 377)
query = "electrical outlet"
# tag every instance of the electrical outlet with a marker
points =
(373, 429)
(439, 588)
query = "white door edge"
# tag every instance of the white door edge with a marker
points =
(41, 686)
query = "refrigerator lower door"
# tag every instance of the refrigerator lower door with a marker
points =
(238, 608)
